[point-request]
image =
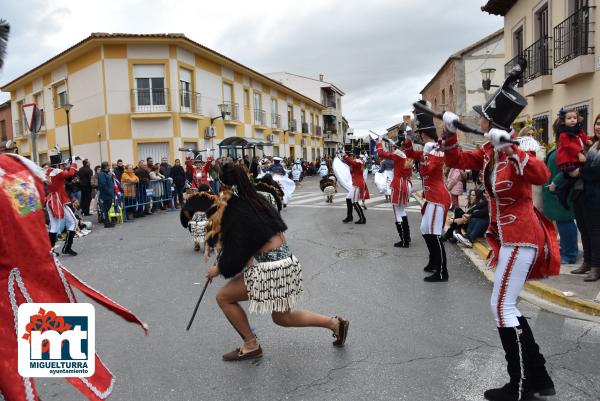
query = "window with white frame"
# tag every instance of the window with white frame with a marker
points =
(185, 88)
(150, 92)
(62, 96)
(39, 101)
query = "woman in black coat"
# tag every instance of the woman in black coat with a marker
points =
(586, 205)
(178, 176)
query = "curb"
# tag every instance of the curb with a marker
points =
(536, 287)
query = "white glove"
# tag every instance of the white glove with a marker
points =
(449, 118)
(499, 138)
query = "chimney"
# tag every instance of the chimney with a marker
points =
(321, 77)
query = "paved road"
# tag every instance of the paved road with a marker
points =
(408, 339)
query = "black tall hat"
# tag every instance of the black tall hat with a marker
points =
(425, 123)
(506, 103)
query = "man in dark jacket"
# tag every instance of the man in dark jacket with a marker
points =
(119, 169)
(85, 174)
(165, 167)
(178, 175)
(106, 189)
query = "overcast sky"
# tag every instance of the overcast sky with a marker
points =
(380, 53)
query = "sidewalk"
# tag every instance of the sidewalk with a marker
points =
(566, 290)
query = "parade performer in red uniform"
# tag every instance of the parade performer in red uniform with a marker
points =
(401, 186)
(35, 275)
(359, 187)
(58, 203)
(202, 176)
(437, 198)
(524, 243)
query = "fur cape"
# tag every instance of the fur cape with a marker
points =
(240, 231)
(198, 202)
(275, 191)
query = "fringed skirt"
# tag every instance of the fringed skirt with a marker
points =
(197, 227)
(274, 282)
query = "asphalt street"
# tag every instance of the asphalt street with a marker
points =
(408, 339)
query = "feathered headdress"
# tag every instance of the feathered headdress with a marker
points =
(4, 30)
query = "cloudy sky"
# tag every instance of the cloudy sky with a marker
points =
(379, 52)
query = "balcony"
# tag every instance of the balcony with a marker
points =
(231, 111)
(318, 130)
(275, 121)
(150, 100)
(537, 77)
(305, 128)
(573, 47)
(190, 102)
(292, 126)
(260, 118)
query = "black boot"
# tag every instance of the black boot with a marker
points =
(361, 214)
(402, 243)
(52, 237)
(349, 217)
(441, 267)
(517, 365)
(431, 264)
(68, 243)
(406, 228)
(540, 380)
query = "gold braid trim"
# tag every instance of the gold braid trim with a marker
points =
(213, 228)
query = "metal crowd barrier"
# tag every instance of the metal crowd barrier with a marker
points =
(137, 196)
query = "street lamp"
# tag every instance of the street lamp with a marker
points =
(223, 110)
(486, 78)
(68, 107)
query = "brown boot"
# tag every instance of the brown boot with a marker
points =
(593, 274)
(583, 269)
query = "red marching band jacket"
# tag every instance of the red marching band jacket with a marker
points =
(431, 168)
(57, 195)
(358, 178)
(514, 220)
(30, 273)
(402, 174)
(199, 177)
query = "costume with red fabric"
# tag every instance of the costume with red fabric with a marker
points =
(402, 173)
(435, 209)
(35, 276)
(57, 195)
(358, 178)
(202, 176)
(401, 187)
(514, 220)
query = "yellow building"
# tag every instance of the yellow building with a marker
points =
(558, 38)
(136, 96)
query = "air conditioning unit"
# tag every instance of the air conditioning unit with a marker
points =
(303, 142)
(270, 137)
(209, 132)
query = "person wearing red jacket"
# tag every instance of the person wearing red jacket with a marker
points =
(401, 186)
(35, 275)
(359, 187)
(523, 242)
(437, 199)
(202, 176)
(58, 205)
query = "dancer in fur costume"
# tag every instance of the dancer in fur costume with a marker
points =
(255, 256)
(193, 214)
